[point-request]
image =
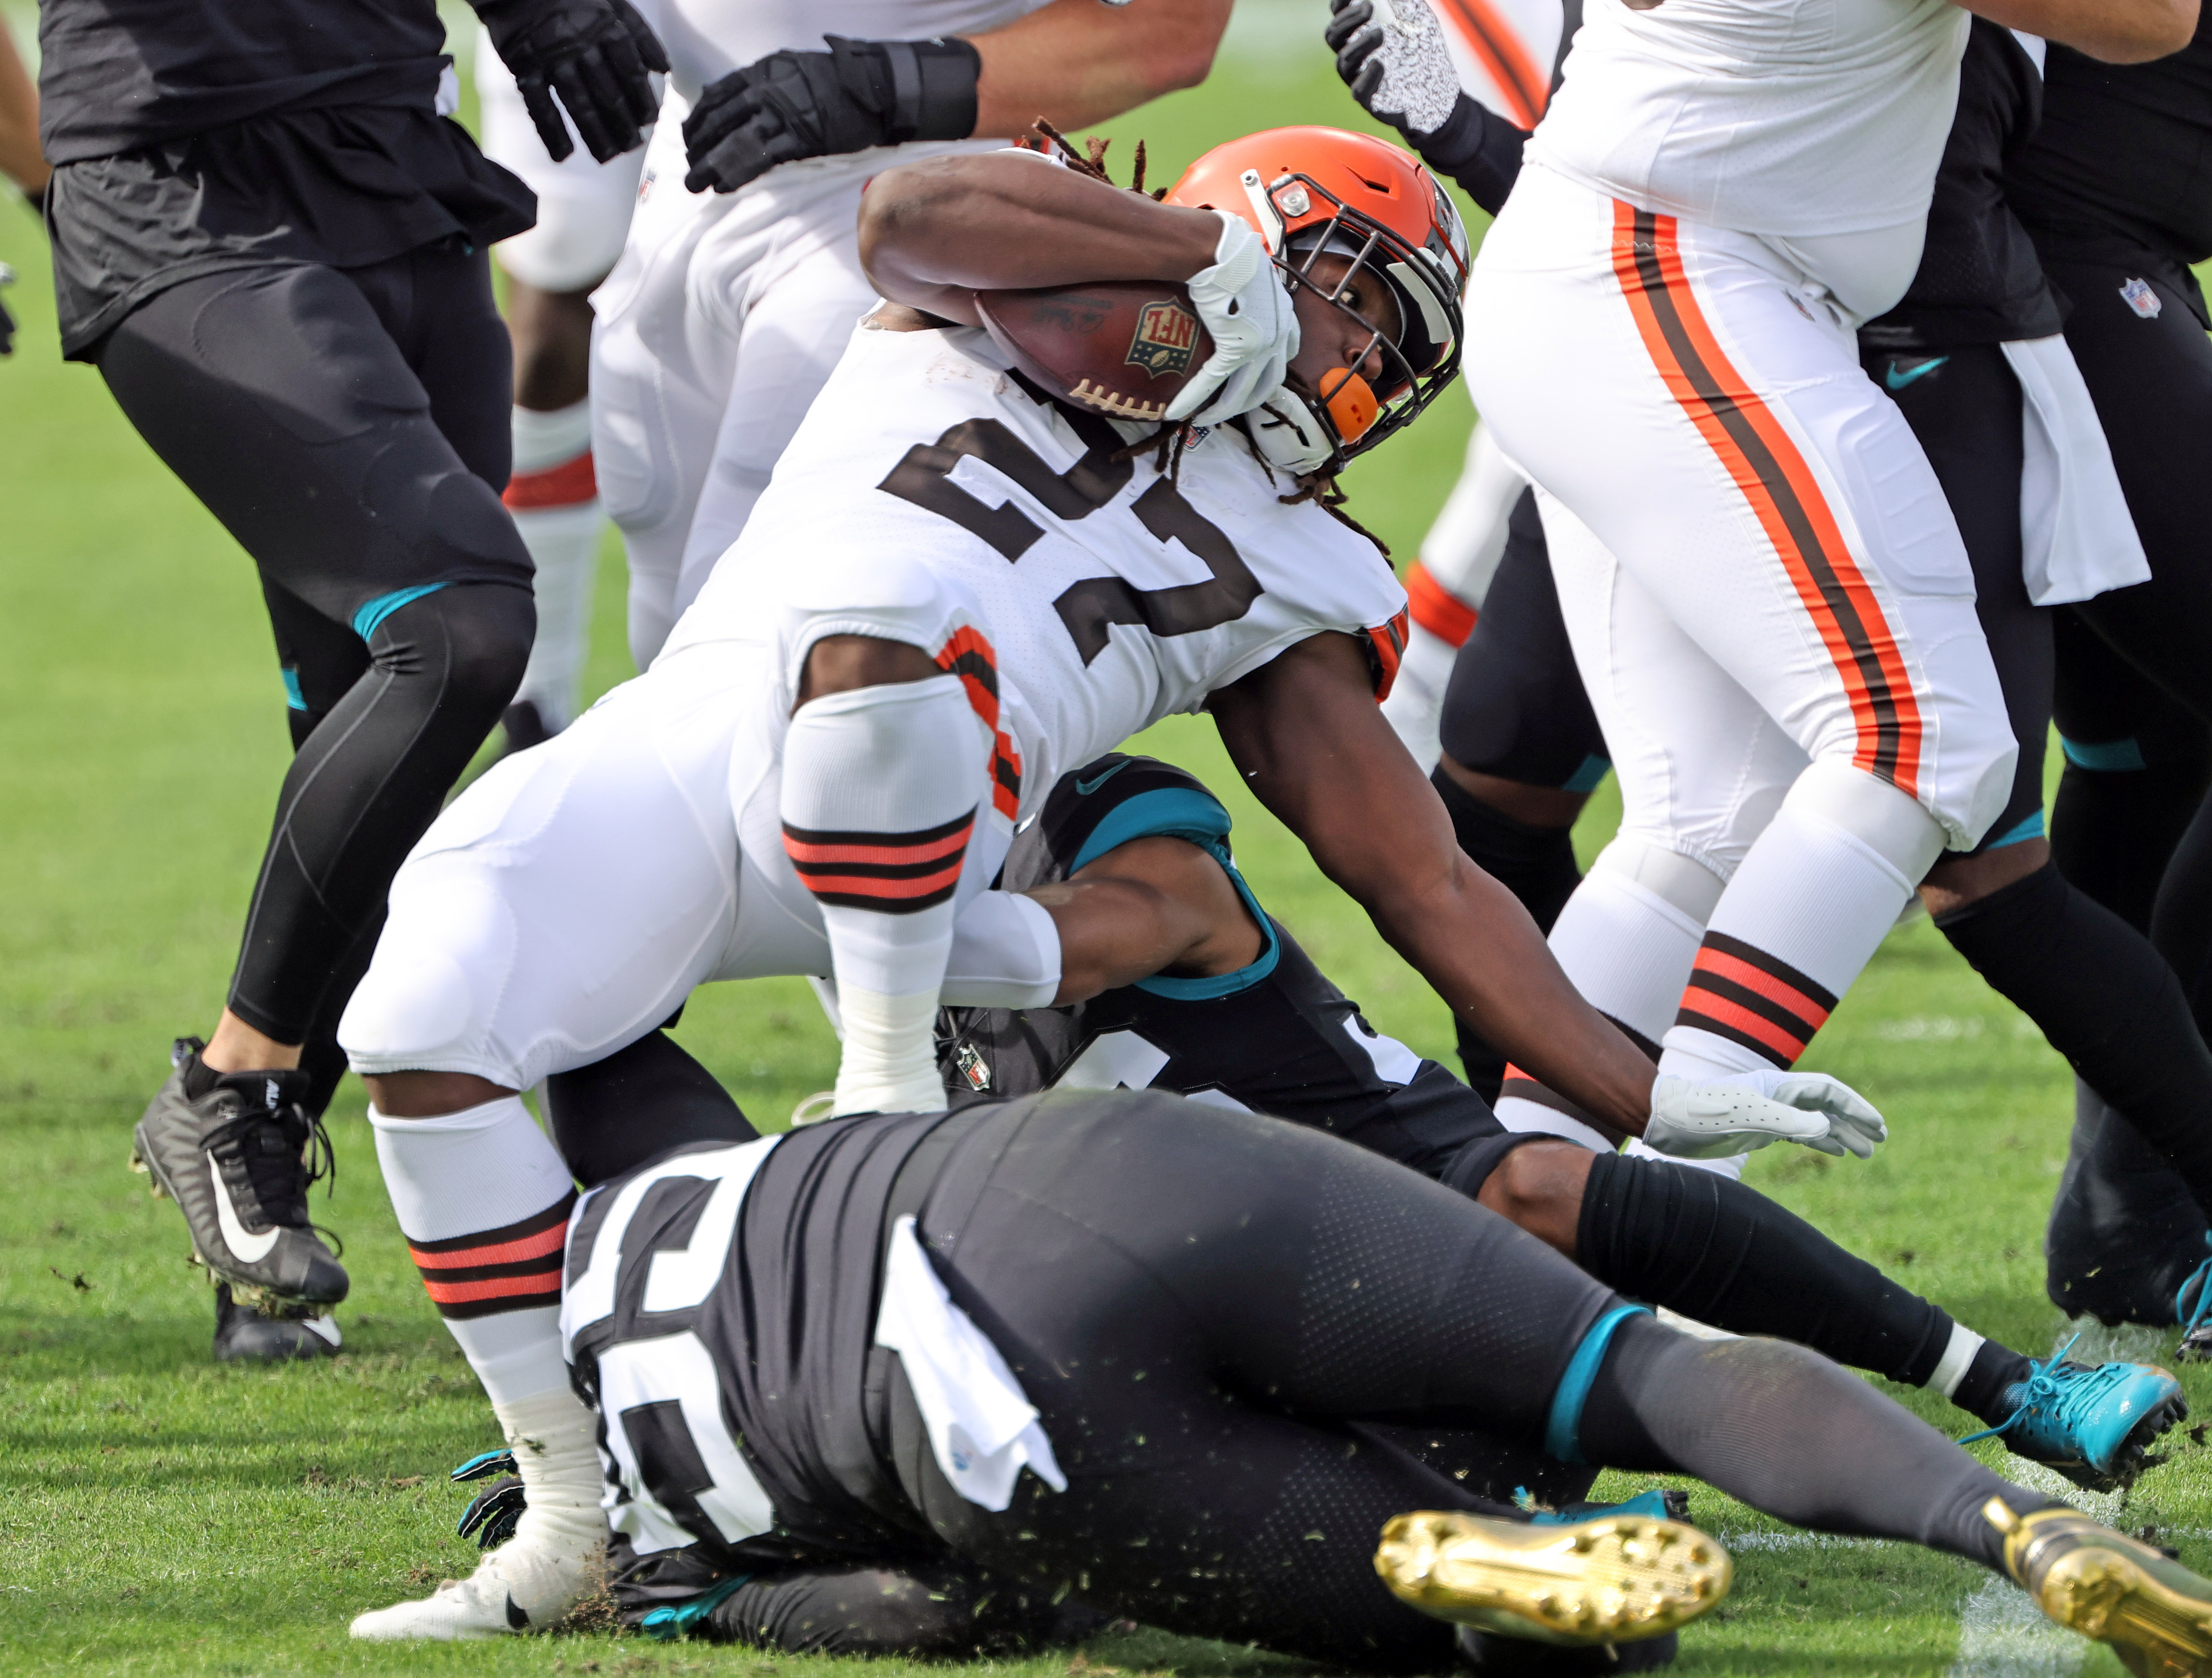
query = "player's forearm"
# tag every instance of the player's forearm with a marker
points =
(954, 225)
(21, 160)
(1078, 62)
(2118, 31)
(1474, 943)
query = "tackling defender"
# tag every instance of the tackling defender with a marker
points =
(822, 772)
(1035, 1344)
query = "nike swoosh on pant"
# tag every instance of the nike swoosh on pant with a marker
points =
(1898, 377)
(250, 1248)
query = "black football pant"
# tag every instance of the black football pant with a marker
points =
(1217, 1315)
(350, 429)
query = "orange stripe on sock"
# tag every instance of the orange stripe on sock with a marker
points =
(1699, 1006)
(1784, 994)
(1436, 609)
(875, 885)
(817, 855)
(540, 1245)
(543, 1284)
(1767, 468)
(570, 484)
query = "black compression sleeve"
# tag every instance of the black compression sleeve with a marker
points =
(1478, 150)
(612, 1116)
(1720, 1252)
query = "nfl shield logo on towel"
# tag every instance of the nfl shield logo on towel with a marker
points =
(2136, 293)
(1166, 334)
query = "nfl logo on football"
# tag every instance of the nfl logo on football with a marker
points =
(1166, 334)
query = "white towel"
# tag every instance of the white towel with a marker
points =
(982, 1427)
(2077, 538)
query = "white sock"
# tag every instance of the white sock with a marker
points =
(554, 497)
(880, 792)
(1815, 895)
(484, 1201)
(1958, 1357)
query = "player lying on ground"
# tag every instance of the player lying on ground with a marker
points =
(957, 583)
(1173, 979)
(837, 1349)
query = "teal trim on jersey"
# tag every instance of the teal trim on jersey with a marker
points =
(365, 620)
(1585, 779)
(293, 697)
(670, 1623)
(2106, 757)
(1224, 985)
(1177, 812)
(1563, 1427)
(2031, 828)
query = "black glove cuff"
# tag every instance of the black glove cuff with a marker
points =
(933, 87)
(1480, 152)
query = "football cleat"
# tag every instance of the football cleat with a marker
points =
(235, 1163)
(1661, 1503)
(2155, 1613)
(2125, 1232)
(1618, 1578)
(2092, 1425)
(243, 1334)
(525, 1585)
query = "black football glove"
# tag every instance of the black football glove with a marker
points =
(7, 320)
(596, 54)
(1401, 73)
(492, 1514)
(855, 95)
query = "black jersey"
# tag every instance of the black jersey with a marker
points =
(202, 135)
(118, 75)
(1275, 1038)
(1979, 281)
(718, 1307)
(2121, 158)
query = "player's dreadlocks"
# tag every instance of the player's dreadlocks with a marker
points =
(1321, 487)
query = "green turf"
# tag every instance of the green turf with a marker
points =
(162, 1515)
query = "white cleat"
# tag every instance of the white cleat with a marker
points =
(558, 1555)
(519, 1587)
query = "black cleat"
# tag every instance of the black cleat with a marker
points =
(234, 1162)
(243, 1334)
(2125, 1232)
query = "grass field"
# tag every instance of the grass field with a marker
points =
(158, 1515)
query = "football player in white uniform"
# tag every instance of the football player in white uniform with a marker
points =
(1757, 565)
(958, 585)
(583, 216)
(731, 306)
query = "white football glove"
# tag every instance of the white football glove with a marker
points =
(1254, 328)
(1724, 1117)
(1391, 53)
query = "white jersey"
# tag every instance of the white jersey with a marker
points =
(708, 39)
(1794, 118)
(1113, 597)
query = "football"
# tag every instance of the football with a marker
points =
(1126, 348)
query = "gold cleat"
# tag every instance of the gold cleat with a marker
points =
(1614, 1579)
(2156, 1615)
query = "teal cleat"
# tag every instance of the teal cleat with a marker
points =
(2092, 1425)
(1660, 1503)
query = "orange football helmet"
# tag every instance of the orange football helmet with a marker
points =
(1312, 190)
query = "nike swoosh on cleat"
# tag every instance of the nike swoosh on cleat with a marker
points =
(1898, 377)
(1085, 789)
(516, 1616)
(250, 1248)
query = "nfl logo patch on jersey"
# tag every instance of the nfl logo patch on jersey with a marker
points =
(2136, 293)
(1166, 334)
